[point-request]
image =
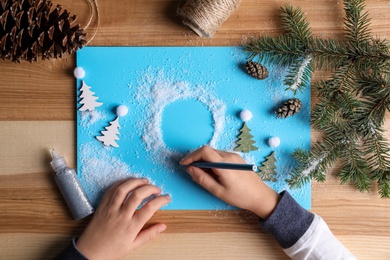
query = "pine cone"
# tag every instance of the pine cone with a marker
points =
(289, 108)
(256, 70)
(29, 28)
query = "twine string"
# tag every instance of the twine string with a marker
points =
(204, 17)
(94, 11)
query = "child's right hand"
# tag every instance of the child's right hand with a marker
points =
(242, 189)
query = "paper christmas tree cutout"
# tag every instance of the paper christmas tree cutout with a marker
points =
(88, 100)
(267, 169)
(245, 142)
(110, 136)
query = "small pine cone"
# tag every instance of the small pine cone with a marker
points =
(256, 70)
(32, 28)
(289, 108)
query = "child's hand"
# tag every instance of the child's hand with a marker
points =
(115, 229)
(242, 189)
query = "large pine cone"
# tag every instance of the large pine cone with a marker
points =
(289, 108)
(256, 70)
(29, 28)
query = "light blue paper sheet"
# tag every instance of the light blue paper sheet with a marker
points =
(187, 97)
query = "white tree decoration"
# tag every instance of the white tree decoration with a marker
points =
(88, 100)
(109, 136)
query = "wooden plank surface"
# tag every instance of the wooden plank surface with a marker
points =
(37, 112)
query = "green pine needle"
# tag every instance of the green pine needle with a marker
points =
(356, 22)
(295, 24)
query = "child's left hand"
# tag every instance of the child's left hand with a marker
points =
(116, 228)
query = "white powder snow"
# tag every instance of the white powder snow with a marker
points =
(298, 79)
(312, 166)
(100, 170)
(90, 117)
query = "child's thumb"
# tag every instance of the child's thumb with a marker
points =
(148, 234)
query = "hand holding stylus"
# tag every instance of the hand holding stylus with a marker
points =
(238, 188)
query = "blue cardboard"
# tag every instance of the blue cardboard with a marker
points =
(180, 98)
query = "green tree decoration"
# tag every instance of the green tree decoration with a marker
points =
(267, 169)
(245, 142)
(351, 103)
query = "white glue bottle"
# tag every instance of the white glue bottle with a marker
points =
(70, 187)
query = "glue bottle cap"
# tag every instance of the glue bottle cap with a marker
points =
(58, 161)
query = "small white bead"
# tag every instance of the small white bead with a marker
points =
(79, 73)
(274, 142)
(122, 110)
(246, 115)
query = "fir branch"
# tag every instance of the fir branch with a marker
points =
(368, 55)
(342, 80)
(375, 96)
(295, 24)
(336, 101)
(297, 179)
(356, 169)
(313, 164)
(383, 179)
(356, 22)
(347, 104)
(382, 50)
(375, 108)
(372, 85)
(357, 175)
(322, 114)
(299, 73)
(281, 50)
(377, 149)
(328, 53)
(352, 104)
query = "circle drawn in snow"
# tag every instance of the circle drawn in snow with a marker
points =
(155, 93)
(186, 125)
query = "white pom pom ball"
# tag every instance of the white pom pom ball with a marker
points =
(122, 110)
(274, 142)
(79, 73)
(246, 115)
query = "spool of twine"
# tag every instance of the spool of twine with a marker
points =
(204, 17)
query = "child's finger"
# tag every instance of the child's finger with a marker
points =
(110, 192)
(205, 180)
(137, 196)
(148, 234)
(124, 189)
(148, 210)
(202, 154)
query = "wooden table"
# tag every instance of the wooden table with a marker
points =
(37, 110)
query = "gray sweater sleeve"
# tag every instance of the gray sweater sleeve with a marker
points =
(288, 222)
(303, 235)
(71, 253)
